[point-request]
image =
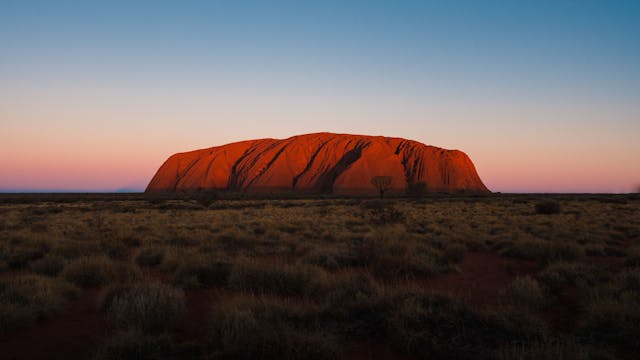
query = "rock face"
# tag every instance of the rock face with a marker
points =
(318, 163)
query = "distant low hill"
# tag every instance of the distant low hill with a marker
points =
(318, 163)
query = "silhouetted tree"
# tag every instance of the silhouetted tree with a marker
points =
(382, 183)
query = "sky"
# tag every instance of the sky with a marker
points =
(544, 96)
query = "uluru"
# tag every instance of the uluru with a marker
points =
(318, 163)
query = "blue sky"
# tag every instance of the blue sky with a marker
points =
(543, 95)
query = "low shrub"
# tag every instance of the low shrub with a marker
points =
(551, 349)
(26, 299)
(202, 271)
(444, 327)
(633, 258)
(330, 258)
(354, 305)
(612, 314)
(559, 275)
(265, 278)
(50, 265)
(19, 251)
(627, 284)
(98, 271)
(150, 256)
(514, 324)
(441, 327)
(148, 307)
(132, 241)
(392, 255)
(206, 198)
(548, 207)
(174, 257)
(372, 204)
(612, 320)
(115, 250)
(73, 249)
(453, 252)
(544, 251)
(250, 327)
(132, 344)
(524, 292)
(387, 214)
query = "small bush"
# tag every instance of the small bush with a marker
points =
(148, 307)
(115, 250)
(559, 275)
(73, 249)
(384, 215)
(98, 271)
(613, 313)
(548, 207)
(524, 292)
(132, 344)
(633, 258)
(393, 256)
(29, 298)
(544, 251)
(250, 327)
(202, 271)
(515, 325)
(150, 256)
(453, 252)
(354, 305)
(50, 265)
(330, 258)
(374, 204)
(627, 284)
(264, 278)
(18, 252)
(132, 241)
(206, 198)
(551, 349)
(444, 327)
(612, 321)
(441, 327)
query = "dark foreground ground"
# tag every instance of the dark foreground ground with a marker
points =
(113, 276)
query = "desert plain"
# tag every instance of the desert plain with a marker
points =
(218, 275)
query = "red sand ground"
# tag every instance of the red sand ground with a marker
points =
(481, 278)
(72, 335)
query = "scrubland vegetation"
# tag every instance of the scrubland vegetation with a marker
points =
(500, 276)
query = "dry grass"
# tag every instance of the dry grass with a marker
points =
(270, 278)
(525, 292)
(444, 327)
(50, 265)
(303, 278)
(560, 275)
(551, 349)
(98, 271)
(26, 299)
(249, 327)
(613, 312)
(132, 344)
(202, 271)
(148, 307)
